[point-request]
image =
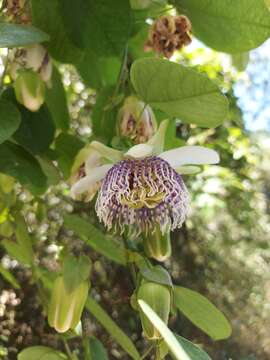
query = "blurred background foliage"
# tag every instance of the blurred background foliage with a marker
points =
(222, 251)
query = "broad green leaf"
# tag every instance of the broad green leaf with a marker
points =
(75, 271)
(10, 119)
(100, 25)
(227, 25)
(104, 70)
(202, 313)
(67, 146)
(194, 351)
(179, 92)
(14, 35)
(95, 238)
(174, 346)
(8, 276)
(36, 131)
(97, 350)
(20, 164)
(113, 329)
(240, 61)
(46, 15)
(104, 117)
(41, 353)
(57, 102)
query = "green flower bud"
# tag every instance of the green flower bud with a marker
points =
(157, 245)
(30, 90)
(159, 298)
(136, 120)
(65, 308)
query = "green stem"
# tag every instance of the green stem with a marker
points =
(67, 348)
(147, 352)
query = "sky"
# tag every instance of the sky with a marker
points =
(253, 90)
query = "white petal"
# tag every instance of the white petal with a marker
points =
(140, 151)
(88, 181)
(190, 155)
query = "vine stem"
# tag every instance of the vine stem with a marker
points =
(67, 348)
(147, 352)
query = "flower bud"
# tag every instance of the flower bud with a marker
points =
(157, 245)
(65, 308)
(37, 59)
(30, 90)
(136, 120)
(158, 297)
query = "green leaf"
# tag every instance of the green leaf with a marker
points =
(113, 329)
(41, 353)
(194, 351)
(95, 238)
(202, 313)
(36, 131)
(22, 236)
(226, 25)
(100, 25)
(97, 350)
(17, 252)
(174, 346)
(57, 102)
(75, 271)
(14, 35)
(47, 16)
(104, 118)
(67, 146)
(240, 61)
(154, 273)
(104, 70)
(50, 170)
(10, 119)
(179, 92)
(17, 162)
(8, 276)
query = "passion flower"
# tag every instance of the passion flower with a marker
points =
(142, 190)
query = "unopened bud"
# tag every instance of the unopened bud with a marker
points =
(30, 90)
(65, 309)
(37, 59)
(158, 297)
(157, 245)
(136, 120)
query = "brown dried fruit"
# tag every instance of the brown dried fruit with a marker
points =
(167, 34)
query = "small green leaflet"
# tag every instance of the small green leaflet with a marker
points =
(41, 353)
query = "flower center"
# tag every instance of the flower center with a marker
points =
(141, 194)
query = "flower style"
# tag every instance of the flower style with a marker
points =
(140, 191)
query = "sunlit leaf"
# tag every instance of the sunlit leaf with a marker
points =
(179, 92)
(113, 329)
(173, 344)
(95, 238)
(226, 25)
(41, 353)
(202, 313)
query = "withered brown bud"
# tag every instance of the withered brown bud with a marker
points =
(167, 34)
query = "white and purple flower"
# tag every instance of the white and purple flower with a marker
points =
(141, 189)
